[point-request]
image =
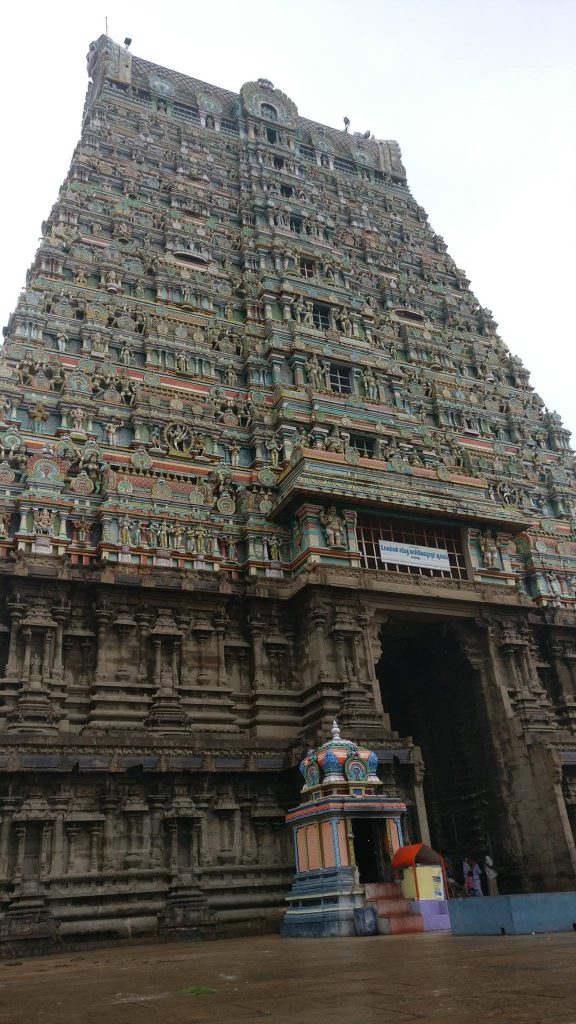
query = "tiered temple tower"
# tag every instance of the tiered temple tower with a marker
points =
(264, 460)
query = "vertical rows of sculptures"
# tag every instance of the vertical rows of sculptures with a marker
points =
(219, 291)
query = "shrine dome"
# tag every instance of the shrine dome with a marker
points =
(338, 760)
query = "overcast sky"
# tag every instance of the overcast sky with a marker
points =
(479, 94)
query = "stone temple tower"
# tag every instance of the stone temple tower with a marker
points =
(264, 461)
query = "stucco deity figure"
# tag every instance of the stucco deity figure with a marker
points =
(489, 548)
(111, 430)
(124, 531)
(385, 449)
(370, 385)
(200, 538)
(315, 374)
(345, 323)
(177, 536)
(38, 415)
(126, 354)
(112, 281)
(135, 532)
(231, 549)
(300, 440)
(274, 447)
(127, 389)
(298, 310)
(43, 520)
(81, 527)
(178, 436)
(234, 450)
(334, 442)
(230, 375)
(77, 416)
(62, 339)
(9, 408)
(98, 342)
(333, 527)
(308, 314)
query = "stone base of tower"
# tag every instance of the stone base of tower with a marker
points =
(161, 819)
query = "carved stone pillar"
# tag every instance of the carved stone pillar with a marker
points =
(103, 618)
(248, 847)
(356, 656)
(195, 846)
(155, 830)
(350, 521)
(27, 634)
(318, 621)
(47, 647)
(143, 620)
(20, 845)
(256, 633)
(12, 662)
(86, 655)
(172, 826)
(204, 854)
(58, 664)
(220, 623)
(5, 828)
(57, 866)
(109, 806)
(72, 832)
(202, 631)
(125, 626)
(340, 657)
(94, 859)
(157, 647)
(45, 849)
(176, 662)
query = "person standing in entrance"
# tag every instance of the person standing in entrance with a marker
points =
(472, 876)
(491, 875)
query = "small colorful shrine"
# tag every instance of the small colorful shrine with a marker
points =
(346, 834)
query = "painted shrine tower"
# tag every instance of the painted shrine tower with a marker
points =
(264, 461)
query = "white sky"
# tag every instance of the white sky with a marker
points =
(479, 94)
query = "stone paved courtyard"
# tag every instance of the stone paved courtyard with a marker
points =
(436, 978)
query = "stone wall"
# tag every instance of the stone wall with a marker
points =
(151, 740)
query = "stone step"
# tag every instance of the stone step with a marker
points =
(406, 923)
(392, 907)
(382, 890)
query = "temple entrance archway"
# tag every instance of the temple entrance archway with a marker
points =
(433, 694)
(371, 858)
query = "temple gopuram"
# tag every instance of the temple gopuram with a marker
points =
(264, 462)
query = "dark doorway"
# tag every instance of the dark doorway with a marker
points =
(368, 851)
(433, 694)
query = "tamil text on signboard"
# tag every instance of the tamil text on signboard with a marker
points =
(413, 554)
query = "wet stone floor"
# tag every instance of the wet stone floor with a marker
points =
(437, 978)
